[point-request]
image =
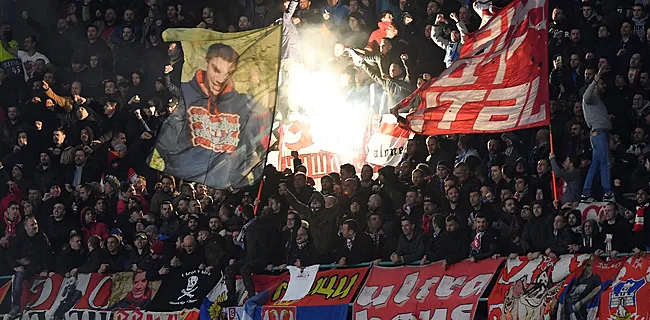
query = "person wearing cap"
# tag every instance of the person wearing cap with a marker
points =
(158, 264)
(435, 185)
(152, 233)
(193, 224)
(139, 256)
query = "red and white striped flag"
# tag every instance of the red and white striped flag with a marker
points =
(499, 83)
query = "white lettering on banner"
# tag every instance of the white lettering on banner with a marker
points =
(426, 288)
(498, 96)
(527, 116)
(405, 291)
(448, 284)
(461, 312)
(74, 315)
(472, 95)
(46, 291)
(365, 297)
(475, 286)
(368, 296)
(95, 292)
(457, 99)
(591, 210)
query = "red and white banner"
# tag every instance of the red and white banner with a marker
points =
(387, 142)
(500, 81)
(529, 289)
(429, 292)
(381, 143)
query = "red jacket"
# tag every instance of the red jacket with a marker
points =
(95, 229)
(123, 205)
(14, 195)
(377, 35)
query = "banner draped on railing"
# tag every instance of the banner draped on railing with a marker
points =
(124, 295)
(571, 287)
(528, 289)
(628, 297)
(428, 292)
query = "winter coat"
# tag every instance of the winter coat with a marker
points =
(322, 223)
(36, 249)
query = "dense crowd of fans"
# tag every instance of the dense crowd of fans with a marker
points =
(84, 100)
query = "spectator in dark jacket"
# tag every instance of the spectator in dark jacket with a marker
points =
(58, 227)
(94, 259)
(453, 243)
(114, 257)
(486, 240)
(191, 257)
(411, 245)
(560, 238)
(591, 240)
(303, 253)
(71, 258)
(355, 247)
(157, 267)
(617, 231)
(536, 231)
(214, 247)
(30, 255)
(139, 255)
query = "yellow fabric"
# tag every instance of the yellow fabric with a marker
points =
(254, 48)
(5, 55)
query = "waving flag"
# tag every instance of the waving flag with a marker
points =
(499, 83)
(220, 135)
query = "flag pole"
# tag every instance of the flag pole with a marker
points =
(275, 105)
(259, 196)
(554, 181)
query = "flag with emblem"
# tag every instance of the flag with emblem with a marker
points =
(218, 134)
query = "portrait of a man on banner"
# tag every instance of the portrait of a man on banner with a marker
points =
(219, 134)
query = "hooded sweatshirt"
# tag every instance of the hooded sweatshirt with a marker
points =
(640, 26)
(188, 145)
(322, 221)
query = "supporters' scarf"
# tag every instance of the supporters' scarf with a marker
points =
(476, 244)
(349, 243)
(427, 224)
(639, 219)
(240, 239)
(10, 226)
(376, 237)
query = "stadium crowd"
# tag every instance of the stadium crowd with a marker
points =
(83, 100)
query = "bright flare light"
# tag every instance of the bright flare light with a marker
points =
(318, 99)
